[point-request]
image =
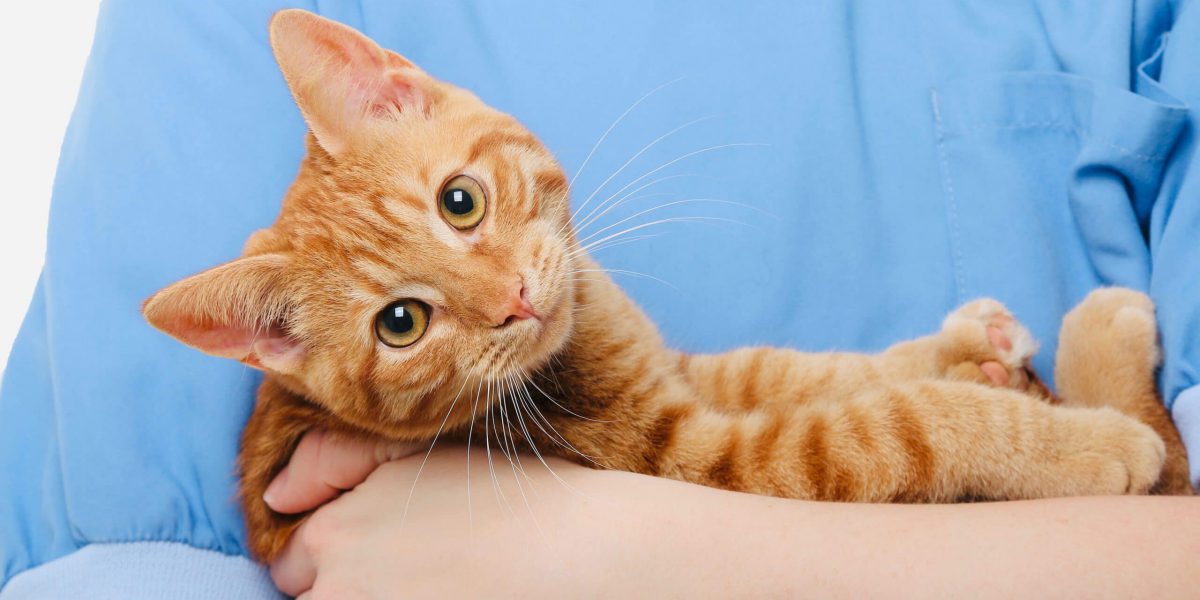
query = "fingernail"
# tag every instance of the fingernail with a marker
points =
(273, 490)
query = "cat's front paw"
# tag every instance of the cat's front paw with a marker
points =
(984, 342)
(1112, 454)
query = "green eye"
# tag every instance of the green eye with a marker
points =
(462, 202)
(402, 323)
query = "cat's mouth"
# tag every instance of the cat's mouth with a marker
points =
(543, 334)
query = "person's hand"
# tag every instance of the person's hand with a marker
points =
(323, 466)
(517, 529)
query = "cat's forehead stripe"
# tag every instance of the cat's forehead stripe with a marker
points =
(495, 140)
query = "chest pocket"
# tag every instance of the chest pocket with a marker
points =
(1048, 180)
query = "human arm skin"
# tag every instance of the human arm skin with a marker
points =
(614, 534)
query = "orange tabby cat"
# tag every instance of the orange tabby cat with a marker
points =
(423, 277)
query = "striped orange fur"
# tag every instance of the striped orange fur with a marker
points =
(525, 350)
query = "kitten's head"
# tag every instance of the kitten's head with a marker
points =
(423, 252)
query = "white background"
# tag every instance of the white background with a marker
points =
(43, 48)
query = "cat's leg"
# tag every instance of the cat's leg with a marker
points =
(980, 341)
(753, 378)
(271, 435)
(932, 441)
(1107, 356)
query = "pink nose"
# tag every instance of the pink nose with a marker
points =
(517, 307)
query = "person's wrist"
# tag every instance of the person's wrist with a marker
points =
(644, 533)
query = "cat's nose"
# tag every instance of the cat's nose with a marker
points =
(516, 307)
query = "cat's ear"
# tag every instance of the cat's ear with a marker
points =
(234, 310)
(340, 78)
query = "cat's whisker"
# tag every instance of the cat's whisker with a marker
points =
(470, 431)
(591, 217)
(584, 241)
(559, 404)
(627, 198)
(578, 308)
(613, 126)
(487, 439)
(554, 374)
(621, 242)
(655, 222)
(511, 376)
(535, 413)
(528, 399)
(510, 386)
(428, 452)
(684, 156)
(536, 416)
(513, 460)
(553, 435)
(588, 244)
(637, 154)
(630, 273)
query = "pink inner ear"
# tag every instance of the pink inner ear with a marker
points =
(387, 93)
(272, 349)
(341, 79)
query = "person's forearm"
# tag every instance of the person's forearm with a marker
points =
(682, 539)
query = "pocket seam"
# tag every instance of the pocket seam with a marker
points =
(1078, 131)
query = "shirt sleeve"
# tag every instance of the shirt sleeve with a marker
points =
(1174, 227)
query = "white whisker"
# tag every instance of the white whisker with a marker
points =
(637, 154)
(470, 432)
(618, 120)
(619, 242)
(673, 161)
(641, 226)
(421, 468)
(559, 404)
(587, 220)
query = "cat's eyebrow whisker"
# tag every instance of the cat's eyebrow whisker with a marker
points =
(424, 460)
(616, 122)
(644, 149)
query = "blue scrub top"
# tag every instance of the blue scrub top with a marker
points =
(859, 170)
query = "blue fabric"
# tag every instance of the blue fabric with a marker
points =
(906, 157)
(144, 571)
(1186, 412)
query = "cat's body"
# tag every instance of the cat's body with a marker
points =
(496, 326)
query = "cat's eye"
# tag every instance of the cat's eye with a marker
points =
(402, 323)
(462, 202)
